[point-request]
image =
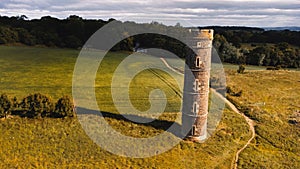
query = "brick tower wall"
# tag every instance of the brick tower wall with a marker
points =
(196, 86)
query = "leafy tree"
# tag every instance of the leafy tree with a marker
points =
(282, 46)
(258, 55)
(243, 53)
(8, 35)
(73, 41)
(219, 40)
(229, 53)
(25, 37)
(37, 106)
(5, 105)
(22, 17)
(64, 107)
(15, 103)
(178, 25)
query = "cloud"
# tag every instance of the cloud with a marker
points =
(188, 12)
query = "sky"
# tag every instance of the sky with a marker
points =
(258, 13)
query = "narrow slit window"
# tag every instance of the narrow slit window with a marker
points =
(196, 85)
(195, 107)
(194, 130)
(198, 62)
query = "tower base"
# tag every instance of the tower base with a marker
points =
(197, 139)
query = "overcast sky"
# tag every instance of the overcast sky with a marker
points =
(262, 13)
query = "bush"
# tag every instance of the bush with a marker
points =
(278, 67)
(64, 107)
(241, 69)
(238, 94)
(233, 93)
(15, 104)
(37, 106)
(5, 105)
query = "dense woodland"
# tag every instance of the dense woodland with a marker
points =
(239, 45)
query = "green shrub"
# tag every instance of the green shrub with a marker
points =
(37, 106)
(5, 105)
(64, 107)
(241, 69)
(233, 93)
(238, 94)
(15, 104)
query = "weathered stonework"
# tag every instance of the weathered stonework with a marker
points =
(196, 87)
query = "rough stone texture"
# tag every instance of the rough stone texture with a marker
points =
(196, 86)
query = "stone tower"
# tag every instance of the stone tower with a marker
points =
(196, 86)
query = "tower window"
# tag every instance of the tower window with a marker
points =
(195, 107)
(198, 62)
(194, 130)
(196, 85)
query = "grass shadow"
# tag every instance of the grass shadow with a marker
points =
(155, 123)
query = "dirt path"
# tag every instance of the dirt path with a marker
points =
(248, 120)
(233, 108)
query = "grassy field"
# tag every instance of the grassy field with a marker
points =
(272, 99)
(29, 70)
(229, 66)
(48, 143)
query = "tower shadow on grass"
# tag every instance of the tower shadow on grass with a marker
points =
(155, 123)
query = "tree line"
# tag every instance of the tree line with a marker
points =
(280, 55)
(71, 32)
(74, 31)
(36, 106)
